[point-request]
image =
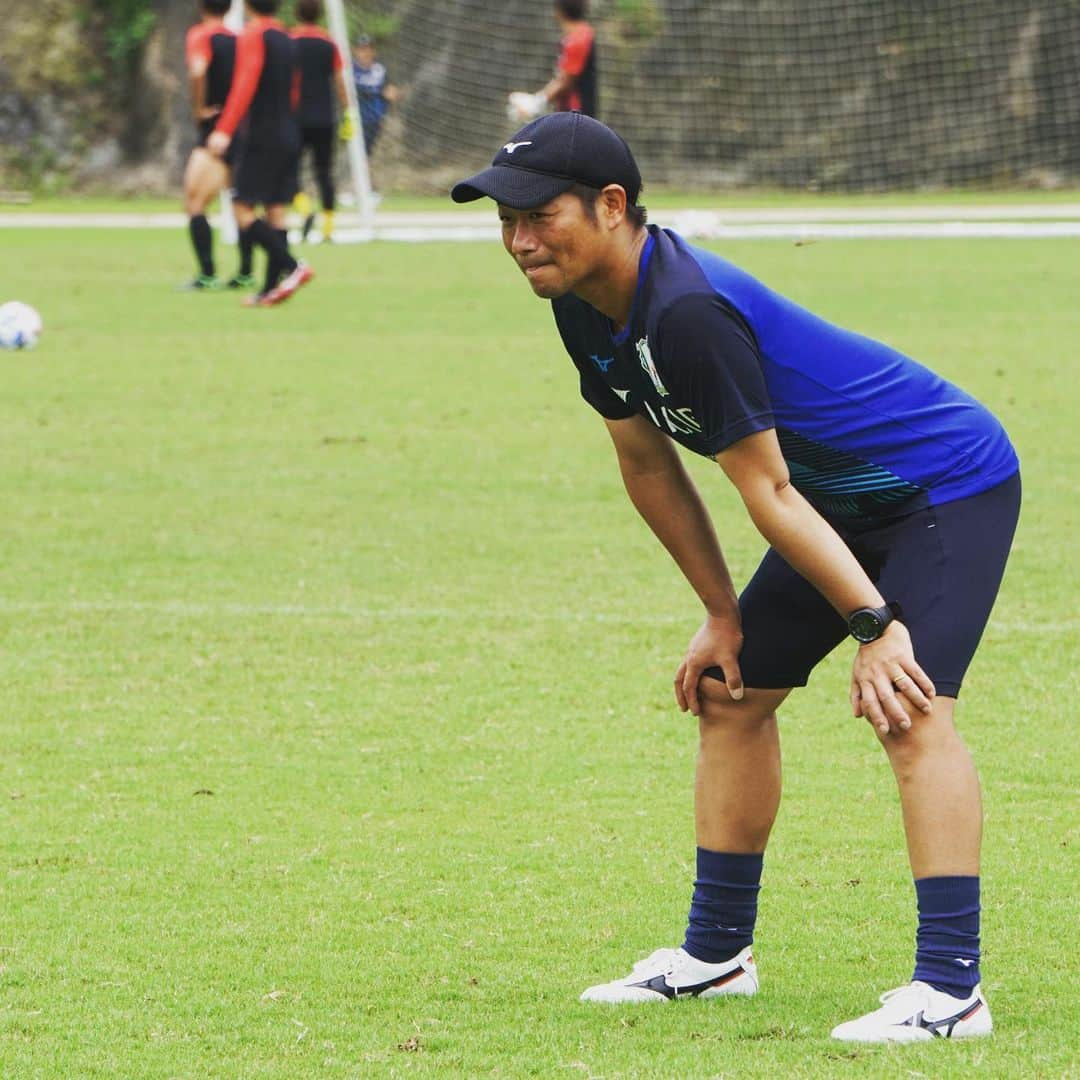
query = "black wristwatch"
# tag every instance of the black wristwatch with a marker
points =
(867, 624)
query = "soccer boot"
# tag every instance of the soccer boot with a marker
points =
(305, 229)
(673, 973)
(917, 1013)
(288, 285)
(202, 283)
(241, 281)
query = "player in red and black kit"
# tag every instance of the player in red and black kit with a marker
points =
(573, 88)
(321, 77)
(263, 97)
(210, 53)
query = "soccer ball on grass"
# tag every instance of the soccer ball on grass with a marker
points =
(20, 325)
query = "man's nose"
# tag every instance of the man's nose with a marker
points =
(523, 240)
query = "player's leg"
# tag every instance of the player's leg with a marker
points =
(296, 273)
(204, 177)
(788, 627)
(302, 203)
(322, 149)
(266, 175)
(945, 566)
(244, 278)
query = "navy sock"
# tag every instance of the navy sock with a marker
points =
(947, 943)
(724, 908)
(202, 240)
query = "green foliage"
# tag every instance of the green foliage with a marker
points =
(127, 25)
(638, 18)
(378, 23)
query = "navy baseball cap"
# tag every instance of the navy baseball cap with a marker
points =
(550, 155)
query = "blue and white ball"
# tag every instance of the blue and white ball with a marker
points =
(20, 325)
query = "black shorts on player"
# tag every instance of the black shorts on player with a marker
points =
(942, 565)
(267, 175)
(207, 126)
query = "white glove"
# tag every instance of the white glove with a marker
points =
(521, 106)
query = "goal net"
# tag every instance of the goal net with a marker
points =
(846, 95)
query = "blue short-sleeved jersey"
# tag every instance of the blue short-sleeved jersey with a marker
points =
(711, 355)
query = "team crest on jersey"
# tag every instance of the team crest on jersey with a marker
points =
(645, 356)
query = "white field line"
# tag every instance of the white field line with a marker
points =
(1026, 221)
(348, 613)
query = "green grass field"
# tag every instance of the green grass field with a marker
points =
(337, 731)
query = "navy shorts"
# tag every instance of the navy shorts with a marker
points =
(942, 564)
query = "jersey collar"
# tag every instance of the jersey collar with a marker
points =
(643, 269)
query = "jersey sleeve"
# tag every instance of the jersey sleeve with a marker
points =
(197, 48)
(593, 389)
(710, 362)
(575, 51)
(250, 57)
(338, 62)
(600, 396)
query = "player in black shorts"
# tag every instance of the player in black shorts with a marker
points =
(321, 78)
(263, 99)
(210, 53)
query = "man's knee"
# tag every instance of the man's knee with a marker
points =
(719, 709)
(928, 735)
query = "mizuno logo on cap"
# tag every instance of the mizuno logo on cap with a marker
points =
(510, 147)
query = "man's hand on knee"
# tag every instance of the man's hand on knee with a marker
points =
(716, 644)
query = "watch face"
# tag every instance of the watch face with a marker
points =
(866, 626)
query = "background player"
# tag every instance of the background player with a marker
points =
(321, 77)
(210, 53)
(263, 97)
(573, 88)
(888, 498)
(374, 91)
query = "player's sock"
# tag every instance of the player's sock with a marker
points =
(947, 942)
(269, 239)
(328, 224)
(724, 908)
(244, 242)
(288, 263)
(202, 240)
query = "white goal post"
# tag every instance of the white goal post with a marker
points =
(358, 162)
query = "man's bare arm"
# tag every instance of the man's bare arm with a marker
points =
(807, 542)
(665, 496)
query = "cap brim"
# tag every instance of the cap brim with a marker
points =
(520, 189)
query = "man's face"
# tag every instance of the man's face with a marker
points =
(556, 246)
(365, 55)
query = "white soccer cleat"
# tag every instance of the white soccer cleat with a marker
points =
(674, 973)
(918, 1013)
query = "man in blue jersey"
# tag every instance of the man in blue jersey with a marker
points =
(888, 497)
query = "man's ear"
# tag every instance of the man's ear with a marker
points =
(612, 204)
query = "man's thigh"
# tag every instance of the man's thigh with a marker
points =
(788, 627)
(944, 565)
